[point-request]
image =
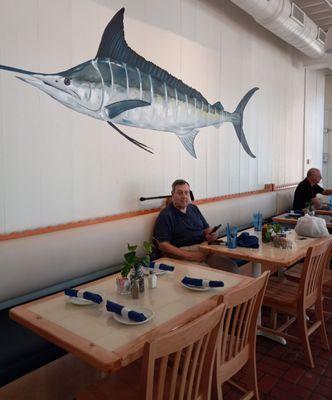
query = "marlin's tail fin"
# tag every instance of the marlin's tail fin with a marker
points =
(237, 120)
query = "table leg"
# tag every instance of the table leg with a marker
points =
(256, 272)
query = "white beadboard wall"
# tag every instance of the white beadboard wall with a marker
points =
(314, 119)
(327, 143)
(58, 166)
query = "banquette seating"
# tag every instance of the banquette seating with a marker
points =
(35, 266)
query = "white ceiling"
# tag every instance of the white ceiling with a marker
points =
(320, 11)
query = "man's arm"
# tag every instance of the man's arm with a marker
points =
(327, 192)
(168, 248)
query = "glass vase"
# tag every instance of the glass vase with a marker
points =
(138, 274)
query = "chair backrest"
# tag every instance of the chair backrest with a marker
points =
(179, 364)
(310, 286)
(238, 334)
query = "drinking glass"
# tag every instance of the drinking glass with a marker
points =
(257, 220)
(122, 285)
(231, 237)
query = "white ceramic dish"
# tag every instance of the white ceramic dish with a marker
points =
(80, 302)
(198, 288)
(148, 313)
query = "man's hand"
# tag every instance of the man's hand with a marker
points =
(188, 255)
(211, 236)
(316, 202)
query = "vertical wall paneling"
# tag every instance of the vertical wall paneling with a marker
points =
(54, 120)
(314, 118)
(327, 148)
(2, 146)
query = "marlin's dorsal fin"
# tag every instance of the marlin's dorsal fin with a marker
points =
(218, 106)
(113, 45)
(187, 140)
(115, 109)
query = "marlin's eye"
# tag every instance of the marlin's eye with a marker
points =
(66, 81)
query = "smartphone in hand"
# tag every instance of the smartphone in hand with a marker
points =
(215, 228)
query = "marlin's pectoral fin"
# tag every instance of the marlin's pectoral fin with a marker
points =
(187, 139)
(115, 109)
(139, 144)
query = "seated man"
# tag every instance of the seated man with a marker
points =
(307, 190)
(180, 227)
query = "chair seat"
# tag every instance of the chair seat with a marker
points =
(294, 274)
(280, 292)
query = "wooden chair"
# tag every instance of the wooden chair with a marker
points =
(287, 297)
(294, 274)
(177, 365)
(236, 346)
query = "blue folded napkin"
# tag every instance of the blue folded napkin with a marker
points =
(161, 266)
(299, 212)
(294, 215)
(96, 298)
(125, 312)
(246, 240)
(201, 282)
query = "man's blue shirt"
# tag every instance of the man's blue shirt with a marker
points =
(178, 228)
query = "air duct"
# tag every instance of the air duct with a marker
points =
(287, 21)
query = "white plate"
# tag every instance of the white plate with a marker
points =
(148, 313)
(80, 302)
(198, 288)
(156, 271)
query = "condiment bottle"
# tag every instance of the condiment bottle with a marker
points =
(152, 280)
(135, 289)
(265, 236)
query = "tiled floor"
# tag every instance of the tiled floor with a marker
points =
(283, 375)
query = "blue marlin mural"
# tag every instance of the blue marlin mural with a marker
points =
(120, 87)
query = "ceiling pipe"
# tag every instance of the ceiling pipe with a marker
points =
(275, 15)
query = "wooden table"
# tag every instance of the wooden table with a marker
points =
(282, 218)
(271, 257)
(91, 333)
(324, 211)
(268, 255)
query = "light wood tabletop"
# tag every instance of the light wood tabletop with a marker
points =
(286, 219)
(267, 254)
(90, 331)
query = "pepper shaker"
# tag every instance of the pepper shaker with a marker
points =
(135, 288)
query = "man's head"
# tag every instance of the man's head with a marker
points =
(180, 194)
(314, 176)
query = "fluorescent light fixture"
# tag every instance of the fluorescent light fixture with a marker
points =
(328, 41)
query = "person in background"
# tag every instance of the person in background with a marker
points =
(307, 190)
(181, 227)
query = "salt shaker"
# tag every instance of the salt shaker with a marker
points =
(152, 280)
